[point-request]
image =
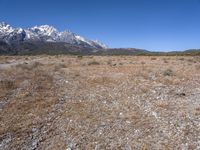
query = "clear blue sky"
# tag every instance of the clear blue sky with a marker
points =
(149, 24)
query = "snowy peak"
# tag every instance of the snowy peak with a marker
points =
(5, 28)
(45, 33)
(45, 30)
(42, 33)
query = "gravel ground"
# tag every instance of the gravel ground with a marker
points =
(93, 102)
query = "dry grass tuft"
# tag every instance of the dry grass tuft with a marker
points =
(165, 60)
(153, 58)
(59, 66)
(168, 72)
(29, 66)
(94, 62)
(7, 84)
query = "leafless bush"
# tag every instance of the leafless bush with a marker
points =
(191, 61)
(153, 58)
(36, 64)
(7, 84)
(42, 80)
(197, 67)
(59, 66)
(165, 60)
(79, 56)
(168, 72)
(109, 62)
(29, 66)
(94, 62)
(182, 59)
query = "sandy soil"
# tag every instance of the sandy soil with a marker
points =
(93, 102)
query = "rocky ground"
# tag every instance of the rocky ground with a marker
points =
(93, 102)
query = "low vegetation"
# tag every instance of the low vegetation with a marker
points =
(99, 102)
(168, 72)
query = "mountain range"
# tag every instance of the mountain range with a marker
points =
(45, 33)
(46, 39)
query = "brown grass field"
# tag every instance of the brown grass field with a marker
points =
(99, 102)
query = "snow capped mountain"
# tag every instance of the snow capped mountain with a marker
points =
(45, 33)
(5, 28)
(9, 34)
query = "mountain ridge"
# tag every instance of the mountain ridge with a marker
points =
(45, 33)
(46, 39)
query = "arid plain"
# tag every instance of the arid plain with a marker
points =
(99, 102)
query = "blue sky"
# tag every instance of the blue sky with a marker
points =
(149, 24)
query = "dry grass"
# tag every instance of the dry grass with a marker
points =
(7, 84)
(94, 62)
(93, 102)
(168, 72)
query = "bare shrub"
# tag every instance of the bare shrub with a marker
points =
(79, 56)
(94, 62)
(182, 59)
(36, 64)
(7, 84)
(165, 60)
(42, 80)
(26, 66)
(191, 61)
(59, 66)
(197, 67)
(101, 80)
(168, 72)
(109, 62)
(153, 58)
